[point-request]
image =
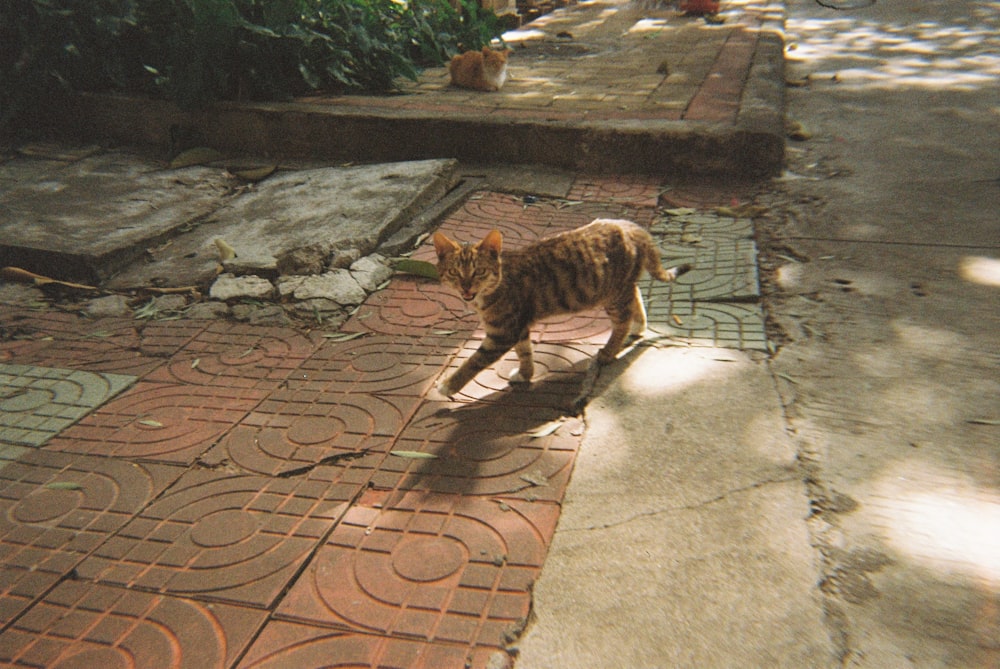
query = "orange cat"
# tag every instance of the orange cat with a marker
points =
(484, 70)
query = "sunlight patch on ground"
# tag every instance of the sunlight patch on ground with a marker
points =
(891, 55)
(648, 25)
(672, 369)
(943, 522)
(980, 269)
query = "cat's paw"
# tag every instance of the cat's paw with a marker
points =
(444, 387)
(516, 378)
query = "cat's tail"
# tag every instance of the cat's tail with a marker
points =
(658, 272)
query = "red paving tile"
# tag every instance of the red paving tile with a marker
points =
(335, 415)
(448, 568)
(83, 626)
(484, 449)
(68, 341)
(160, 421)
(55, 509)
(236, 356)
(349, 460)
(219, 536)
(523, 222)
(633, 191)
(413, 306)
(165, 338)
(559, 374)
(282, 645)
(378, 364)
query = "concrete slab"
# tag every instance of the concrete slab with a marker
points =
(36, 403)
(331, 211)
(683, 542)
(87, 219)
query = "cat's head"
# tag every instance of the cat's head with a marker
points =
(471, 269)
(494, 60)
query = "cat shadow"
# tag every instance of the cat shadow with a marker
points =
(516, 442)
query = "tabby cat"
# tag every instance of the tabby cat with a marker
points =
(484, 70)
(596, 265)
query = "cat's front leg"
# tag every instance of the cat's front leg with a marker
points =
(526, 363)
(488, 352)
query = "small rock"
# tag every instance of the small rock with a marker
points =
(370, 272)
(322, 310)
(344, 258)
(499, 660)
(267, 315)
(337, 285)
(208, 310)
(169, 303)
(230, 287)
(262, 265)
(303, 260)
(109, 306)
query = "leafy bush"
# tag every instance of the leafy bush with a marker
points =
(198, 51)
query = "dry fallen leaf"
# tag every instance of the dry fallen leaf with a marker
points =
(196, 156)
(795, 130)
(256, 173)
(547, 429)
(413, 455)
(535, 477)
(226, 252)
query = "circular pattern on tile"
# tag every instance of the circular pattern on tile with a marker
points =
(223, 528)
(28, 400)
(374, 362)
(427, 559)
(45, 505)
(106, 658)
(315, 429)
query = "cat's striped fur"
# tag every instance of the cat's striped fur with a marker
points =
(596, 265)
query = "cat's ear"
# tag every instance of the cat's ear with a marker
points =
(486, 50)
(443, 245)
(492, 242)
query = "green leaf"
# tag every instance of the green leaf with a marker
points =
(417, 267)
(343, 336)
(63, 485)
(413, 455)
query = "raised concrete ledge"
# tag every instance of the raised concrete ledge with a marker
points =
(754, 147)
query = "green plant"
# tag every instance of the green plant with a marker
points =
(198, 51)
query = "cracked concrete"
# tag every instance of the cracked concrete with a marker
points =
(881, 261)
(711, 488)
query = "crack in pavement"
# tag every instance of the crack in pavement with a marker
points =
(684, 507)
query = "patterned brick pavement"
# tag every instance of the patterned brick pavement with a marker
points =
(271, 497)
